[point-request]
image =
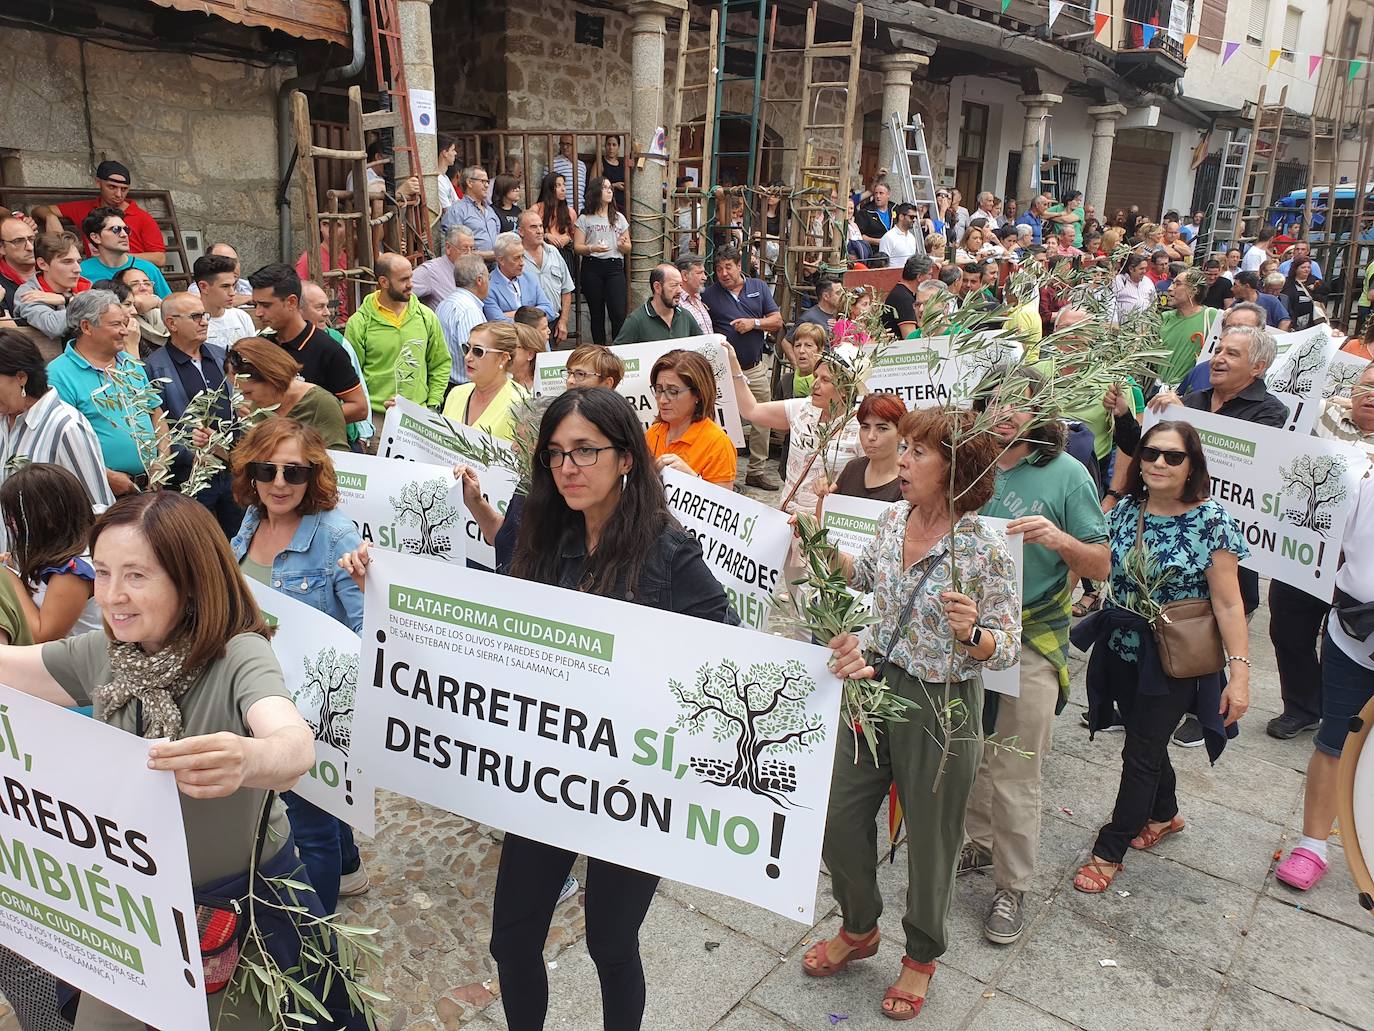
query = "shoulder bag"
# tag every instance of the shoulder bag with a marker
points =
(1186, 633)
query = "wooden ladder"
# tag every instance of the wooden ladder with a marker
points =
(1265, 130)
(390, 70)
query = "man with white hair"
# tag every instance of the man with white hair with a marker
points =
(462, 310)
(433, 280)
(514, 284)
(987, 210)
(548, 264)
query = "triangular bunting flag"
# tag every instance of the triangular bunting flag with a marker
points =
(1005, 5)
(1189, 41)
(1055, 7)
(1312, 63)
(1274, 58)
(1100, 23)
(1228, 51)
(1355, 67)
(1147, 35)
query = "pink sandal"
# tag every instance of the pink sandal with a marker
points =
(1302, 869)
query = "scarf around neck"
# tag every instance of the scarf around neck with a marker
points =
(157, 681)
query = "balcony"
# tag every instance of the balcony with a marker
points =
(1161, 63)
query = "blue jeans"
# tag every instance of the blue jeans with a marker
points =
(326, 847)
(1346, 689)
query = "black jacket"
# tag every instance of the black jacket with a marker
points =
(1253, 404)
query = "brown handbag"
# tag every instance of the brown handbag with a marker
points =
(1186, 633)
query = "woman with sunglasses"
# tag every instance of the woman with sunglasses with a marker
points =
(491, 400)
(267, 376)
(1167, 530)
(291, 540)
(685, 436)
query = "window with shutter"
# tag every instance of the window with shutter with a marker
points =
(1259, 19)
(1292, 25)
(1212, 25)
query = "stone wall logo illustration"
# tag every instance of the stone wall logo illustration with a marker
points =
(1315, 482)
(425, 506)
(762, 711)
(325, 697)
(1306, 361)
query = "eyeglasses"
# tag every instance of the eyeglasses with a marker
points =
(484, 179)
(476, 350)
(194, 316)
(552, 458)
(236, 363)
(581, 375)
(121, 229)
(1151, 455)
(19, 240)
(266, 472)
(671, 393)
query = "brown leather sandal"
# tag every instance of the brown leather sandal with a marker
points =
(815, 963)
(1094, 872)
(895, 994)
(1149, 837)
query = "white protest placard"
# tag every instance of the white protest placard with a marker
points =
(94, 882)
(852, 522)
(550, 378)
(1343, 373)
(415, 434)
(745, 543)
(403, 506)
(669, 744)
(1298, 374)
(932, 371)
(319, 660)
(1289, 492)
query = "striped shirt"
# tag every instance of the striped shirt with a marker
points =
(54, 432)
(459, 314)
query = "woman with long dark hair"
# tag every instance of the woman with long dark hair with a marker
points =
(596, 520)
(554, 211)
(1303, 293)
(602, 238)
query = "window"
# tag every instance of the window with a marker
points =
(1292, 25)
(1212, 25)
(1259, 18)
(1350, 40)
(973, 138)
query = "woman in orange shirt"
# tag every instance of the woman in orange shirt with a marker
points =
(1362, 345)
(686, 437)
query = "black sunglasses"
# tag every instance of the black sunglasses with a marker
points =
(266, 472)
(1151, 455)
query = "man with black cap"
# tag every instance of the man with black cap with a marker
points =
(113, 181)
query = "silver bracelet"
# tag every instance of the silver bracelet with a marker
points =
(740, 375)
(1237, 658)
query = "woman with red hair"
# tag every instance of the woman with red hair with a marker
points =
(873, 474)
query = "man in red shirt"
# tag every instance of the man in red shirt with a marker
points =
(112, 180)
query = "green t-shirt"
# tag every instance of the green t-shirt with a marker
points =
(1058, 209)
(12, 621)
(1060, 490)
(256, 571)
(1093, 415)
(320, 410)
(801, 385)
(1183, 337)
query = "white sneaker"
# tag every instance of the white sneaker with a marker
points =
(355, 883)
(570, 887)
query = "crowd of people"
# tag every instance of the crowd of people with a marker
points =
(119, 592)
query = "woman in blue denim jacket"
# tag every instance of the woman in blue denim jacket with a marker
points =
(291, 540)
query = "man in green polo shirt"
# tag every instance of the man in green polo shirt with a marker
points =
(1052, 502)
(96, 322)
(659, 318)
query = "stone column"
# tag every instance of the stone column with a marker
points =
(417, 54)
(1100, 158)
(898, 70)
(1037, 106)
(648, 36)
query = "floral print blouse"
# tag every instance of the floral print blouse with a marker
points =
(1182, 545)
(986, 574)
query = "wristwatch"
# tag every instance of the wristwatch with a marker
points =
(974, 638)
(757, 323)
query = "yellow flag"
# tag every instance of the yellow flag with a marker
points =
(1273, 58)
(1189, 41)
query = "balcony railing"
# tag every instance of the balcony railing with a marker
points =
(1142, 13)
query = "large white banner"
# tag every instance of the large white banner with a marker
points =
(932, 371)
(1298, 375)
(403, 506)
(94, 881)
(319, 660)
(1289, 492)
(415, 434)
(745, 542)
(685, 748)
(851, 523)
(550, 377)
(1343, 373)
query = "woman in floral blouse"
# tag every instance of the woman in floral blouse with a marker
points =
(932, 624)
(1191, 549)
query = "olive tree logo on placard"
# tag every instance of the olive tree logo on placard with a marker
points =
(1316, 482)
(325, 697)
(1341, 378)
(1305, 362)
(762, 711)
(425, 506)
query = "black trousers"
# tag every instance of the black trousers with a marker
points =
(603, 285)
(527, 885)
(1148, 786)
(1295, 629)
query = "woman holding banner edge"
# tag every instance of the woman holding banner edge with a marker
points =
(594, 481)
(928, 631)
